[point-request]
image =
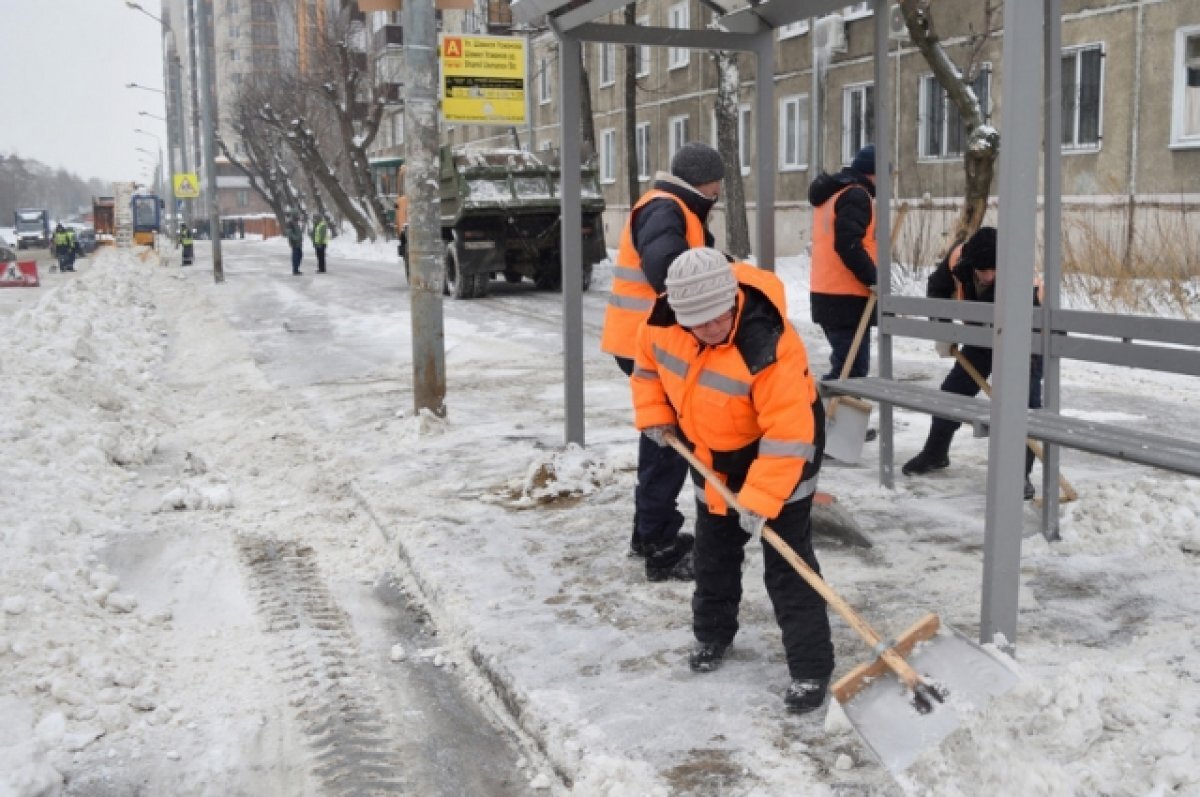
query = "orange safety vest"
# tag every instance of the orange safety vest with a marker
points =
(720, 406)
(829, 274)
(632, 294)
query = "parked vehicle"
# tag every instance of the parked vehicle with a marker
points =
(85, 240)
(147, 215)
(33, 228)
(501, 214)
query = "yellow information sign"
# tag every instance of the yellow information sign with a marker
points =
(483, 79)
(187, 186)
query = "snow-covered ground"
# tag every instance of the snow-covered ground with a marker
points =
(169, 444)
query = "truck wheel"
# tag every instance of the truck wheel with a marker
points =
(512, 277)
(483, 284)
(548, 281)
(457, 285)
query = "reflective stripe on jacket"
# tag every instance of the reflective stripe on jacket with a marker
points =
(747, 405)
(829, 273)
(320, 236)
(632, 294)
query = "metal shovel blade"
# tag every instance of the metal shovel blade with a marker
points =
(846, 429)
(883, 712)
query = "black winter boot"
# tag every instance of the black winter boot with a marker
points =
(670, 560)
(805, 694)
(707, 656)
(934, 456)
(637, 546)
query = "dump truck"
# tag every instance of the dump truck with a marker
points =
(104, 219)
(32, 228)
(501, 218)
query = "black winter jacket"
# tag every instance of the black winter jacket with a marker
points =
(659, 230)
(852, 217)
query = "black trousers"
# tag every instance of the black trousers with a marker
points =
(960, 382)
(799, 610)
(320, 258)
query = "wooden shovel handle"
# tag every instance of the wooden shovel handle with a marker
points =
(1069, 493)
(893, 659)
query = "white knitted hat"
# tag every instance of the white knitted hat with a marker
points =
(700, 286)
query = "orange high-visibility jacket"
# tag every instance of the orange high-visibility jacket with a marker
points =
(725, 406)
(829, 273)
(632, 294)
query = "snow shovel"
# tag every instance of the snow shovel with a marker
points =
(1068, 492)
(897, 711)
(847, 417)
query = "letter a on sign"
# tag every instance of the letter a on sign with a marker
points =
(452, 47)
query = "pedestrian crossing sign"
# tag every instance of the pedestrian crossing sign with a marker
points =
(187, 186)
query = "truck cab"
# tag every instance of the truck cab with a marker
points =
(32, 228)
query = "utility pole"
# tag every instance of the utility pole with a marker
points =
(424, 250)
(208, 108)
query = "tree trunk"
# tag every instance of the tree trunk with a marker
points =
(587, 125)
(737, 231)
(631, 161)
(983, 140)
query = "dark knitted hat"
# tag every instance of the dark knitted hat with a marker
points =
(697, 164)
(979, 251)
(864, 161)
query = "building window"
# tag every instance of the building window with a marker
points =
(608, 64)
(793, 29)
(677, 17)
(1082, 83)
(856, 11)
(243, 198)
(744, 128)
(793, 132)
(643, 53)
(858, 119)
(1185, 105)
(543, 80)
(397, 129)
(679, 135)
(942, 133)
(642, 136)
(608, 155)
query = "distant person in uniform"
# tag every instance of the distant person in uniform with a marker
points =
(186, 243)
(295, 236)
(320, 239)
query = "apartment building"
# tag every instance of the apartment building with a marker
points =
(1130, 100)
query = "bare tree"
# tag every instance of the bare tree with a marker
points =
(631, 60)
(264, 162)
(983, 141)
(348, 87)
(737, 231)
(587, 123)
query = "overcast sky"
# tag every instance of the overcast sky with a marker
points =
(63, 99)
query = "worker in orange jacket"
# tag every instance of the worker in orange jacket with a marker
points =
(669, 219)
(719, 365)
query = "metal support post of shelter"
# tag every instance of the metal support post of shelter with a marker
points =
(208, 112)
(884, 170)
(572, 28)
(1017, 220)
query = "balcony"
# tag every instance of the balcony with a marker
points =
(387, 36)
